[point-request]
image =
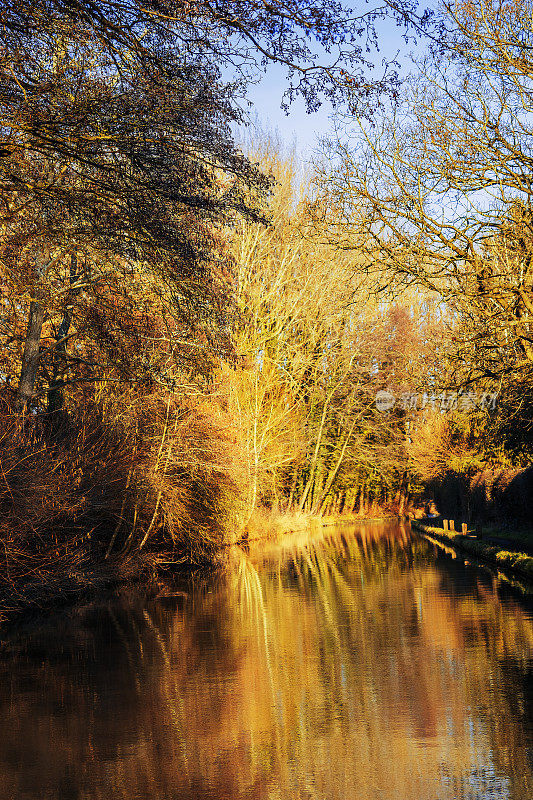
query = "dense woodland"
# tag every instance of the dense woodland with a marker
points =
(193, 331)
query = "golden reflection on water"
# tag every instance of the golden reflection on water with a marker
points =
(360, 664)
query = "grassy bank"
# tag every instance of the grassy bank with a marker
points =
(505, 554)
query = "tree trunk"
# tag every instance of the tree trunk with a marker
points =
(55, 392)
(333, 473)
(31, 354)
(355, 497)
(311, 477)
(293, 489)
(362, 500)
(319, 437)
(30, 357)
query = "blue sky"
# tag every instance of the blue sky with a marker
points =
(298, 126)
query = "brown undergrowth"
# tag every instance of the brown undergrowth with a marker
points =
(118, 487)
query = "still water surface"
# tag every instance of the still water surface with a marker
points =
(365, 664)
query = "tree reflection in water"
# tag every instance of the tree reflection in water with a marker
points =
(359, 664)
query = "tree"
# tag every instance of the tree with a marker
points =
(314, 346)
(140, 185)
(319, 43)
(115, 139)
(441, 187)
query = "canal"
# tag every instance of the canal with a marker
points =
(363, 662)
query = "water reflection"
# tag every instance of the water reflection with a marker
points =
(362, 664)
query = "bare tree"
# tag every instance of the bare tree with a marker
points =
(439, 191)
(316, 343)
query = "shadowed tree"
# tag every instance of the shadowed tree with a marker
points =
(114, 179)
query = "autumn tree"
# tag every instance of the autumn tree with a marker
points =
(111, 181)
(315, 345)
(439, 192)
(115, 140)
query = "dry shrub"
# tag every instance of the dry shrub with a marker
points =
(137, 474)
(488, 496)
(430, 448)
(184, 477)
(441, 444)
(462, 484)
(265, 523)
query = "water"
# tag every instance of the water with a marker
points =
(365, 664)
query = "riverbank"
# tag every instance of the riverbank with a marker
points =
(69, 586)
(505, 554)
(265, 525)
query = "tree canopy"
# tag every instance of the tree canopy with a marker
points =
(116, 147)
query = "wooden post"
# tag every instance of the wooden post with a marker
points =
(452, 524)
(464, 528)
(445, 524)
